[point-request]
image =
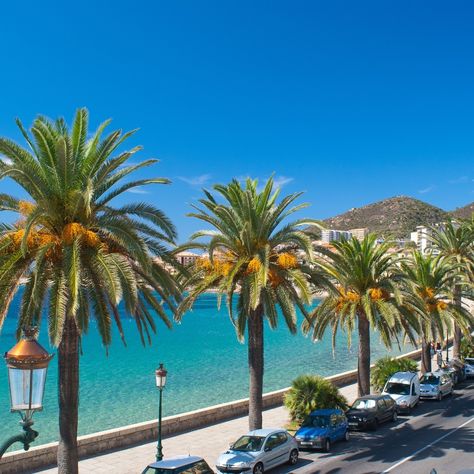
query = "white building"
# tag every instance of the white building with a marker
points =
(330, 235)
(187, 258)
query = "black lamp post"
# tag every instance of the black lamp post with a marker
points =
(27, 364)
(160, 375)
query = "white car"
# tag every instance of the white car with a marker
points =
(404, 388)
(435, 385)
(469, 366)
(258, 451)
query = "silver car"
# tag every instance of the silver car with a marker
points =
(435, 385)
(259, 451)
(469, 366)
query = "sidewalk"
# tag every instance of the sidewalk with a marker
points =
(207, 442)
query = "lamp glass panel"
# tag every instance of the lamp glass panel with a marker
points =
(26, 388)
(160, 381)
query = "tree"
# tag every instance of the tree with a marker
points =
(455, 240)
(311, 392)
(429, 281)
(364, 295)
(255, 255)
(78, 253)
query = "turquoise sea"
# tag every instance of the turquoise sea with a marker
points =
(206, 365)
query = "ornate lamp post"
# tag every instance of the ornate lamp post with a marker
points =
(160, 375)
(27, 364)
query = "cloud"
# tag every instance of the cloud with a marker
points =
(196, 180)
(460, 180)
(6, 160)
(138, 191)
(426, 190)
(281, 181)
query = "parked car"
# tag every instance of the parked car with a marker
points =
(469, 366)
(179, 465)
(322, 428)
(457, 370)
(404, 388)
(370, 411)
(435, 385)
(259, 451)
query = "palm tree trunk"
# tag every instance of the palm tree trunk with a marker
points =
(425, 356)
(363, 368)
(68, 364)
(255, 352)
(457, 300)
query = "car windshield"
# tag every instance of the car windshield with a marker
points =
(398, 388)
(469, 361)
(362, 404)
(317, 421)
(248, 443)
(430, 379)
(154, 470)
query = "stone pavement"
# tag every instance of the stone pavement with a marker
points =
(207, 442)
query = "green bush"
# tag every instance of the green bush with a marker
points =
(311, 392)
(467, 347)
(386, 366)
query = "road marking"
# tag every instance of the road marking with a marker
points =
(427, 446)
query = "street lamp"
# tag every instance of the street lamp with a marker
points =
(27, 364)
(160, 375)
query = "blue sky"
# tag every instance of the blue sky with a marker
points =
(349, 101)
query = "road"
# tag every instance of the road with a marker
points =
(438, 435)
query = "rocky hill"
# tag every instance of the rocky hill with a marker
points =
(465, 212)
(396, 217)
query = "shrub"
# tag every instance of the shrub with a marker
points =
(386, 366)
(467, 347)
(311, 392)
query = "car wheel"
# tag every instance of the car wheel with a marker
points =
(327, 445)
(293, 457)
(258, 468)
(346, 435)
(395, 415)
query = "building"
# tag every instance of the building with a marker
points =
(423, 238)
(331, 235)
(359, 234)
(187, 258)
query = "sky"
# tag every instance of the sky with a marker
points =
(350, 102)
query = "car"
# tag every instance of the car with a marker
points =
(322, 428)
(369, 411)
(179, 465)
(258, 451)
(435, 385)
(404, 388)
(469, 366)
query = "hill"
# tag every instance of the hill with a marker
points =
(397, 217)
(464, 212)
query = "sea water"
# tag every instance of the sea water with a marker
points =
(206, 365)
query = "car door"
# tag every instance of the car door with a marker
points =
(333, 428)
(381, 410)
(342, 426)
(276, 448)
(390, 404)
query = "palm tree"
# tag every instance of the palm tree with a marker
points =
(257, 258)
(365, 294)
(455, 241)
(429, 281)
(78, 253)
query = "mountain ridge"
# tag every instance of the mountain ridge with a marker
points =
(395, 216)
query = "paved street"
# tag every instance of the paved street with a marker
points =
(439, 435)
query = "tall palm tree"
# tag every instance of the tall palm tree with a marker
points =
(255, 255)
(455, 240)
(428, 282)
(365, 294)
(78, 253)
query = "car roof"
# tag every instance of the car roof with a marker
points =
(371, 397)
(175, 462)
(400, 377)
(265, 431)
(327, 412)
(437, 374)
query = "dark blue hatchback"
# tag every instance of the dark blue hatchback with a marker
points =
(322, 428)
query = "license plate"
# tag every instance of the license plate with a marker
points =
(353, 424)
(305, 443)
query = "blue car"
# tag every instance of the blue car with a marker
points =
(322, 428)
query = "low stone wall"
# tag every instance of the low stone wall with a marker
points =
(45, 455)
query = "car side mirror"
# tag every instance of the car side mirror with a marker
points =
(231, 446)
(267, 449)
